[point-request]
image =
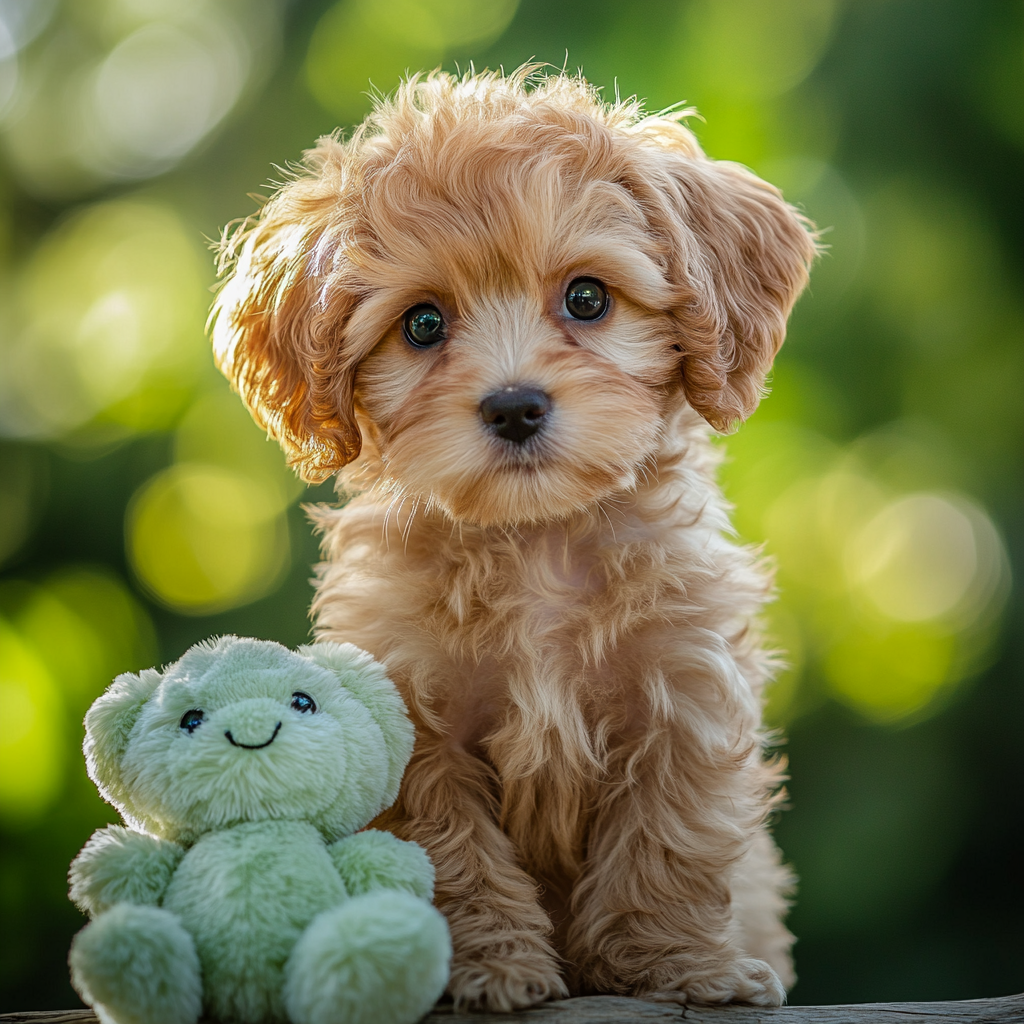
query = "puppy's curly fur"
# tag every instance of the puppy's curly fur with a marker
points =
(571, 626)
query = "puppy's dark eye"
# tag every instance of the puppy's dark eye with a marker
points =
(586, 299)
(303, 702)
(423, 326)
(191, 720)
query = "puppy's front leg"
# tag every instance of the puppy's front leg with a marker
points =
(652, 909)
(502, 959)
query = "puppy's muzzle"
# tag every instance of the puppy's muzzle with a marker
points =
(515, 413)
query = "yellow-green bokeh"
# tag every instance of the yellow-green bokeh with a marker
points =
(61, 643)
(362, 44)
(111, 311)
(210, 532)
(872, 477)
(33, 747)
(217, 430)
(202, 538)
(888, 597)
(119, 91)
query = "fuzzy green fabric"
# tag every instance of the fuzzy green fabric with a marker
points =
(238, 886)
(380, 942)
(377, 860)
(137, 965)
(117, 865)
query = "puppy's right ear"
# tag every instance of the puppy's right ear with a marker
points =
(279, 318)
(108, 725)
(739, 256)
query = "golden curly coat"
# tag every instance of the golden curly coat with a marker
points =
(567, 617)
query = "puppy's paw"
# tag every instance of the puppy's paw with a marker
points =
(505, 980)
(741, 981)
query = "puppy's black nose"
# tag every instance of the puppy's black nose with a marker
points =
(515, 413)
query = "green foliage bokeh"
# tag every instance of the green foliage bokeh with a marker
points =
(140, 510)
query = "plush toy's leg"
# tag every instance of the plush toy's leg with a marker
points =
(137, 965)
(380, 958)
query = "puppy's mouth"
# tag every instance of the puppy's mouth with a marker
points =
(528, 457)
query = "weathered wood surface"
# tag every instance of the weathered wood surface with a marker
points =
(617, 1010)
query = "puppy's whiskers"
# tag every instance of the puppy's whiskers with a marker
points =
(514, 529)
(611, 525)
(407, 529)
(399, 500)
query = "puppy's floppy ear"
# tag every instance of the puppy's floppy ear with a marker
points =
(740, 255)
(279, 318)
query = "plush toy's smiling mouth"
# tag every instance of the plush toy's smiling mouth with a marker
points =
(253, 746)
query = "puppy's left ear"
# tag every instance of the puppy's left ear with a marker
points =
(739, 256)
(279, 319)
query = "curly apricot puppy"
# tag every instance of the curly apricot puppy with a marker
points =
(507, 312)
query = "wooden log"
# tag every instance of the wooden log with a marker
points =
(619, 1010)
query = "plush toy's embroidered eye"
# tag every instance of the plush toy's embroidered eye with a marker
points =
(586, 299)
(423, 326)
(191, 720)
(303, 702)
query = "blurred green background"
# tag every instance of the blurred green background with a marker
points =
(141, 511)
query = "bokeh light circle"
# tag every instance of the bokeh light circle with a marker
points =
(8, 68)
(124, 90)
(160, 91)
(889, 673)
(749, 49)
(111, 307)
(916, 559)
(61, 643)
(32, 751)
(359, 43)
(203, 539)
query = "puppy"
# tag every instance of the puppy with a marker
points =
(505, 314)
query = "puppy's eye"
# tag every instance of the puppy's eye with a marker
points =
(191, 720)
(303, 702)
(586, 299)
(423, 326)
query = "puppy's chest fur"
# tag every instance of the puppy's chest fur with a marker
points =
(486, 628)
(546, 651)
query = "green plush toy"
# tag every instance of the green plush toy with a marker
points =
(241, 886)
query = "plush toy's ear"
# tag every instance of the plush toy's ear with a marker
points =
(739, 255)
(368, 682)
(279, 319)
(108, 724)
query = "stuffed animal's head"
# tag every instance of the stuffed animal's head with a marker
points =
(245, 730)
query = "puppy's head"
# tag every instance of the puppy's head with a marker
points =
(503, 293)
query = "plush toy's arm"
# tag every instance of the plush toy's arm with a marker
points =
(117, 865)
(377, 860)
